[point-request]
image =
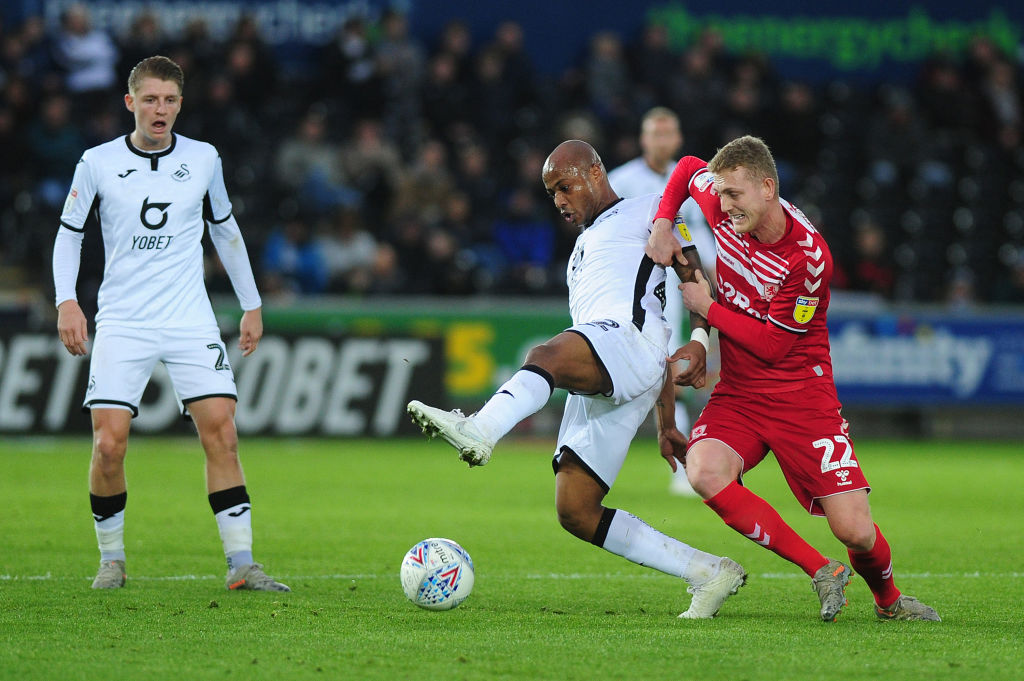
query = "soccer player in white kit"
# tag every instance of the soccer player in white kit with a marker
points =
(660, 141)
(153, 192)
(613, 363)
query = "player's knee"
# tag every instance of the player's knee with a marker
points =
(706, 481)
(543, 355)
(109, 448)
(220, 439)
(857, 536)
(576, 520)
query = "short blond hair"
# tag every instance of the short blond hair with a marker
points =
(751, 153)
(158, 67)
(660, 112)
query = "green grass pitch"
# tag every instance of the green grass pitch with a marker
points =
(334, 518)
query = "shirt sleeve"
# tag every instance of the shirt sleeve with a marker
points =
(67, 245)
(767, 341)
(227, 240)
(67, 258)
(80, 197)
(691, 178)
(217, 206)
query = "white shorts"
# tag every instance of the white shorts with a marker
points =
(599, 429)
(634, 361)
(123, 359)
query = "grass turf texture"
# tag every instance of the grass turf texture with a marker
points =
(334, 518)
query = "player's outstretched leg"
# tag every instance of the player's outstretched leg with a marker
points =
(709, 596)
(456, 429)
(252, 578)
(111, 575)
(908, 608)
(830, 582)
(711, 579)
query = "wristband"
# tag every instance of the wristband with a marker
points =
(701, 336)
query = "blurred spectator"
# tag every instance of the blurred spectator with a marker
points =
(223, 118)
(426, 186)
(493, 101)
(373, 167)
(895, 139)
(871, 270)
(946, 102)
(349, 252)
(525, 236)
(1003, 118)
(55, 143)
(88, 57)
(249, 82)
(697, 92)
(457, 43)
(350, 79)
(203, 52)
(795, 133)
(461, 223)
(309, 165)
(651, 61)
(293, 263)
(960, 290)
(1009, 288)
(519, 74)
(444, 97)
(608, 79)
(144, 39)
(402, 63)
(476, 177)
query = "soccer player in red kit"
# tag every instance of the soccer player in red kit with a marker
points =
(776, 390)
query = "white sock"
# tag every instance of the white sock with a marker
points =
(235, 526)
(635, 540)
(108, 519)
(110, 537)
(522, 395)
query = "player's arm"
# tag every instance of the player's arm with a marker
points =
(662, 246)
(71, 324)
(766, 340)
(67, 259)
(696, 351)
(671, 442)
(230, 246)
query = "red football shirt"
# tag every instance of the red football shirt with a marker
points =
(772, 298)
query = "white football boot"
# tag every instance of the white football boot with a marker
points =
(456, 428)
(709, 596)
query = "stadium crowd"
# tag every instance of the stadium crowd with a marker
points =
(388, 166)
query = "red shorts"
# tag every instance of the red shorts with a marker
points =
(803, 428)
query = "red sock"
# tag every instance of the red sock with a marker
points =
(875, 567)
(754, 518)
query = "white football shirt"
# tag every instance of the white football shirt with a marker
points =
(152, 209)
(610, 276)
(636, 178)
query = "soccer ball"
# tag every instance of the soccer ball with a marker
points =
(437, 574)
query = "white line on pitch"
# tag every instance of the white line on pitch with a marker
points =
(506, 575)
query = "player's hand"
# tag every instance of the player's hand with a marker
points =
(672, 444)
(662, 246)
(251, 331)
(71, 327)
(695, 374)
(697, 294)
